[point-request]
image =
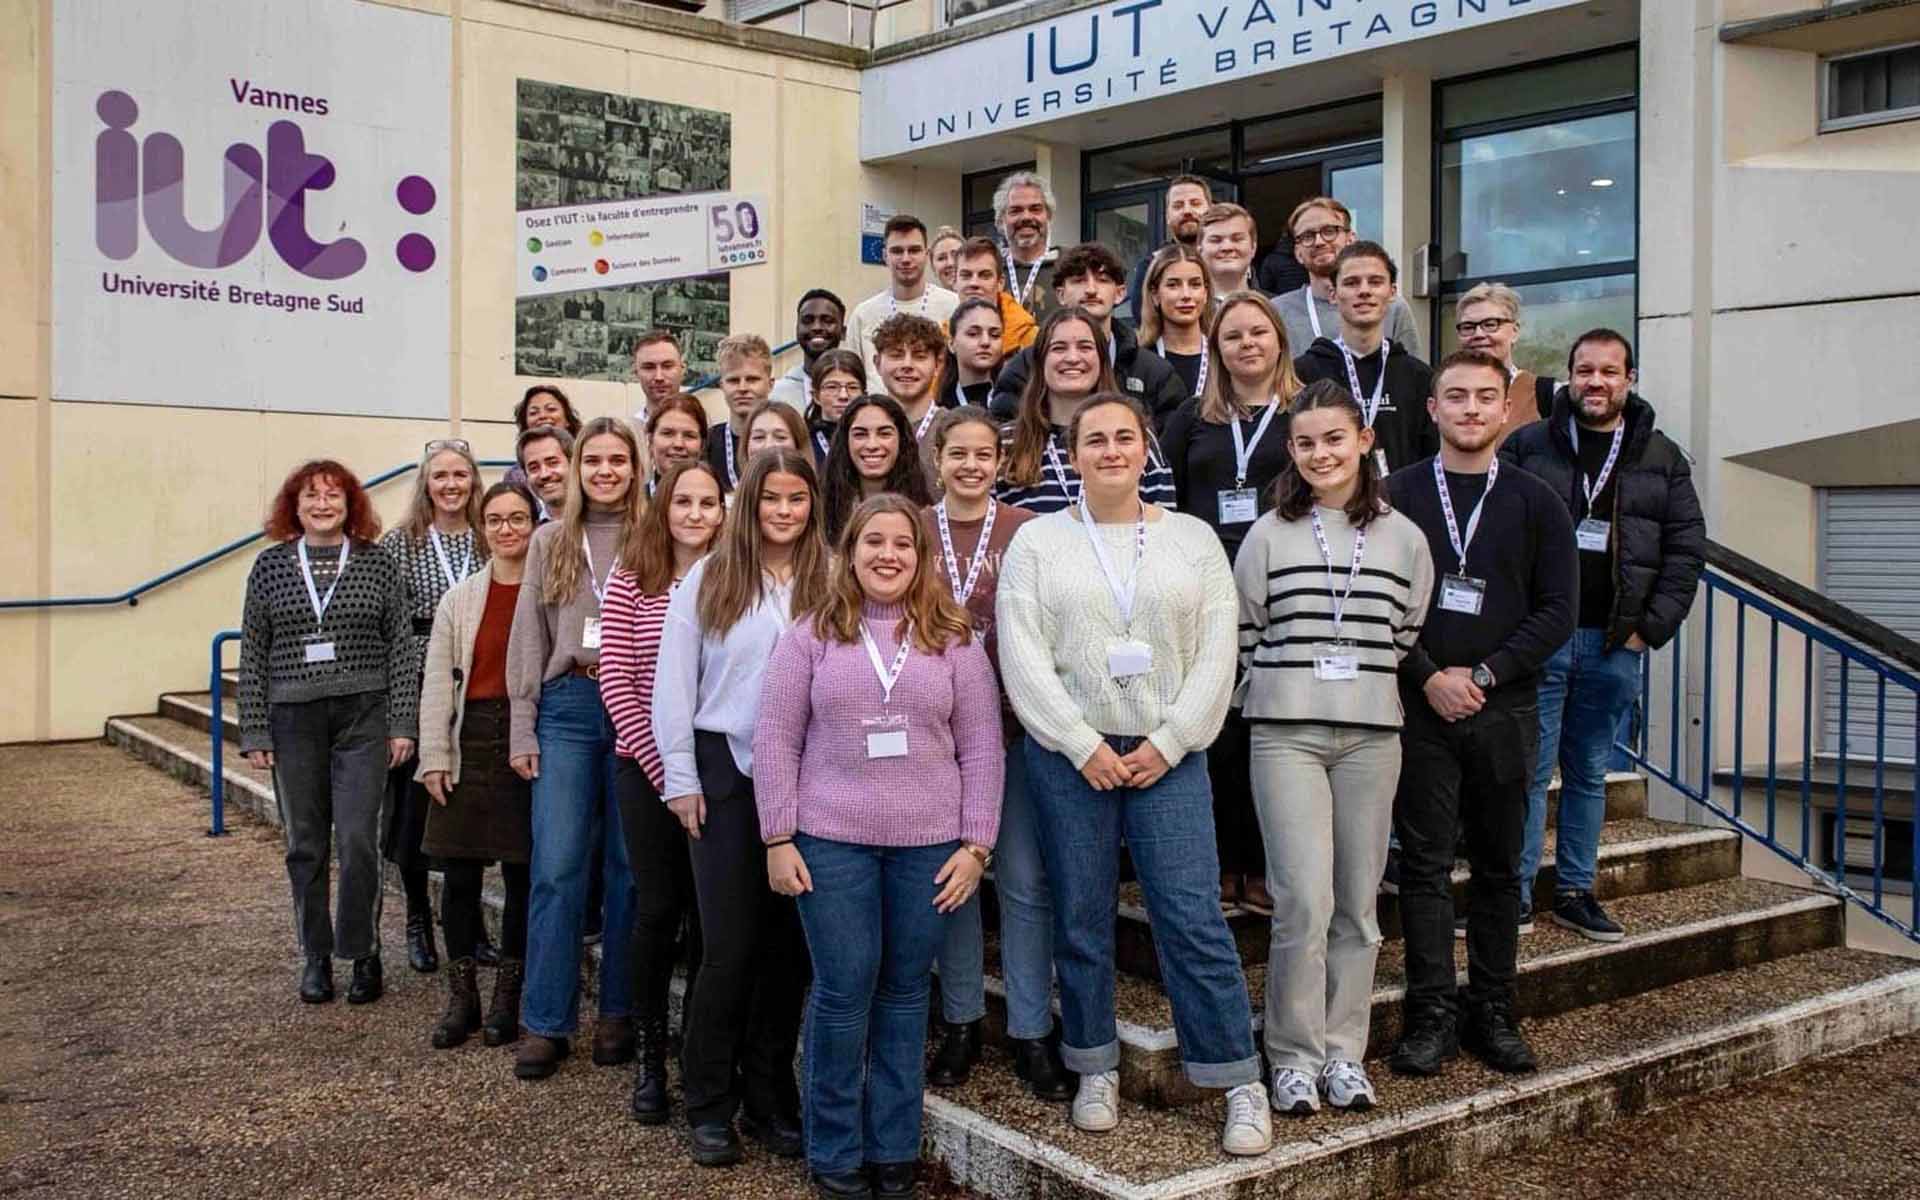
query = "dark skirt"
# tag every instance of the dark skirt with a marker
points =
(489, 813)
(405, 814)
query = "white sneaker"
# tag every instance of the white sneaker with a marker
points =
(1249, 1129)
(1345, 1085)
(1096, 1108)
(1294, 1094)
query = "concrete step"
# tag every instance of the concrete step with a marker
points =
(1672, 936)
(196, 709)
(1628, 1056)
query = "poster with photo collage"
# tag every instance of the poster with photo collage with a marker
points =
(576, 147)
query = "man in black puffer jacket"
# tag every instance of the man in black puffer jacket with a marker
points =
(1643, 542)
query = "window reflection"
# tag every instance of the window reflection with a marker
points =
(1549, 197)
(1552, 315)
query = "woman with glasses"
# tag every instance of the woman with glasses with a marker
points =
(676, 433)
(435, 546)
(1489, 321)
(835, 379)
(479, 810)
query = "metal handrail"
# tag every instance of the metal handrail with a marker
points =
(217, 728)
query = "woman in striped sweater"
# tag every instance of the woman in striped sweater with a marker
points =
(675, 533)
(1333, 589)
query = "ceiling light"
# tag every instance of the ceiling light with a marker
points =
(1559, 191)
(1601, 183)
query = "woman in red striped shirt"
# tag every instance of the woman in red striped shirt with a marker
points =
(679, 528)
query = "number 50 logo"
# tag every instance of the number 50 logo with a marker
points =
(736, 222)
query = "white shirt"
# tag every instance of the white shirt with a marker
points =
(936, 304)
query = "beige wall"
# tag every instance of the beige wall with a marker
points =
(126, 492)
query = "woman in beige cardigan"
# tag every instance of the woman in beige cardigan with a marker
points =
(480, 809)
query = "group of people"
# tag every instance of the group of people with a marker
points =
(993, 581)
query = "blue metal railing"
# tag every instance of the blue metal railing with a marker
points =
(1721, 690)
(217, 726)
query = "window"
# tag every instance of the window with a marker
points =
(976, 198)
(1867, 89)
(1209, 152)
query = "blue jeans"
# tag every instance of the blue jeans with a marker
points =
(1169, 832)
(872, 929)
(573, 799)
(1026, 924)
(1584, 691)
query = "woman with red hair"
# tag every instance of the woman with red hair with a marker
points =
(329, 703)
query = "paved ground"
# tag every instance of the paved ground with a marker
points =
(151, 1046)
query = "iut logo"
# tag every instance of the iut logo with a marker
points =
(140, 183)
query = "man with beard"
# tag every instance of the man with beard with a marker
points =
(545, 453)
(1642, 543)
(819, 324)
(1187, 197)
(1322, 227)
(1504, 584)
(1023, 210)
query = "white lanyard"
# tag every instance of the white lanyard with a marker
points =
(1459, 542)
(733, 470)
(599, 589)
(887, 677)
(1206, 359)
(962, 591)
(1123, 590)
(821, 440)
(313, 593)
(920, 309)
(1243, 449)
(926, 422)
(1372, 406)
(1019, 289)
(1313, 312)
(446, 565)
(1353, 572)
(1593, 487)
(1060, 470)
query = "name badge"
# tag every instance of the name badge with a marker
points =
(319, 652)
(1238, 505)
(1592, 535)
(1335, 661)
(1380, 462)
(590, 636)
(886, 736)
(1129, 658)
(1462, 594)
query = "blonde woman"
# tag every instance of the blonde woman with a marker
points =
(1177, 314)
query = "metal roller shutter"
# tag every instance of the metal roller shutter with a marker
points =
(1870, 562)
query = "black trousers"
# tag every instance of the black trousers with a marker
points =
(461, 904)
(1465, 778)
(663, 891)
(1236, 824)
(746, 999)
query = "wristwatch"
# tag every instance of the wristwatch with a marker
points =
(1482, 678)
(982, 853)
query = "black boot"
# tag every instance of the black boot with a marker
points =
(1493, 1037)
(485, 952)
(650, 1104)
(463, 1006)
(1037, 1061)
(959, 1049)
(368, 982)
(316, 980)
(503, 1011)
(1431, 1038)
(421, 955)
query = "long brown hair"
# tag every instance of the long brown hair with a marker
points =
(1150, 322)
(932, 615)
(1293, 495)
(1031, 429)
(362, 524)
(783, 412)
(419, 516)
(1219, 403)
(734, 580)
(567, 561)
(648, 554)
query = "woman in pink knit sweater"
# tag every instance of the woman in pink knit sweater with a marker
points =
(878, 769)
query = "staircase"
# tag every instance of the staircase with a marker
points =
(1721, 979)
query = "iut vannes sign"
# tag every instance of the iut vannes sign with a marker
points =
(1130, 51)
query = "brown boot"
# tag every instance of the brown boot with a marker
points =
(539, 1057)
(503, 1011)
(613, 1041)
(462, 1018)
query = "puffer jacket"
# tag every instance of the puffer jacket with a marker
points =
(1659, 535)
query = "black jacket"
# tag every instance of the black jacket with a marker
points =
(1402, 427)
(1659, 533)
(1142, 374)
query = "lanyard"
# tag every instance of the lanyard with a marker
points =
(1460, 543)
(1372, 406)
(313, 593)
(887, 677)
(599, 589)
(1019, 289)
(1060, 470)
(1123, 590)
(821, 440)
(1313, 314)
(446, 565)
(962, 591)
(1593, 487)
(1243, 449)
(1353, 571)
(1206, 360)
(926, 422)
(920, 305)
(733, 469)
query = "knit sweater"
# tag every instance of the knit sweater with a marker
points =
(1286, 611)
(547, 639)
(812, 772)
(425, 582)
(629, 652)
(1057, 618)
(366, 623)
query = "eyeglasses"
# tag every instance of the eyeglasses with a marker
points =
(1487, 325)
(517, 520)
(1326, 233)
(838, 389)
(439, 444)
